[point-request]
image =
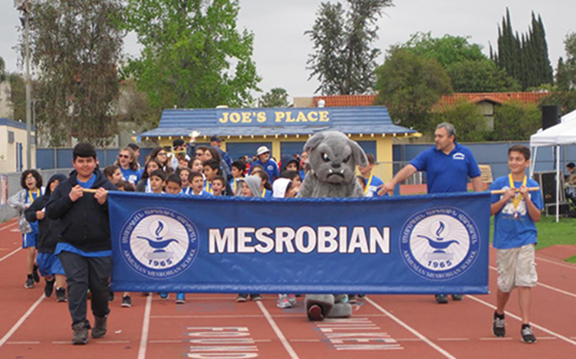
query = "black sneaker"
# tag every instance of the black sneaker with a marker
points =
(49, 287)
(100, 327)
(126, 301)
(80, 334)
(241, 298)
(528, 335)
(35, 274)
(29, 282)
(111, 296)
(352, 298)
(61, 295)
(256, 297)
(457, 297)
(441, 298)
(498, 326)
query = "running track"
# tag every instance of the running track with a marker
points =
(215, 326)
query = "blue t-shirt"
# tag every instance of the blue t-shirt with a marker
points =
(87, 184)
(447, 172)
(270, 167)
(132, 176)
(372, 184)
(30, 198)
(511, 232)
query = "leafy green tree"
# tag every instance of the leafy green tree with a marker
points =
(566, 99)
(409, 85)
(516, 121)
(566, 70)
(18, 95)
(480, 76)
(2, 70)
(276, 97)
(75, 48)
(470, 124)
(193, 55)
(447, 50)
(344, 60)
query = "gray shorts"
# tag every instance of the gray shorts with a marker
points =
(516, 268)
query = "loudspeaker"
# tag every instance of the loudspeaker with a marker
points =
(564, 209)
(547, 182)
(550, 116)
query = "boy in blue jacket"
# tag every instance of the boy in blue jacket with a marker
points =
(84, 246)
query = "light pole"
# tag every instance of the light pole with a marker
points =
(23, 5)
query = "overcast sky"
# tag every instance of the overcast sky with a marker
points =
(281, 48)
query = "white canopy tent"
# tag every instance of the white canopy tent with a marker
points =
(563, 133)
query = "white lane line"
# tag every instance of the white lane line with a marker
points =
(495, 339)
(10, 254)
(145, 329)
(411, 330)
(556, 263)
(278, 332)
(21, 320)
(8, 226)
(539, 284)
(453, 339)
(21, 343)
(559, 336)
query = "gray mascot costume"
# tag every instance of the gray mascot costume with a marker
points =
(333, 159)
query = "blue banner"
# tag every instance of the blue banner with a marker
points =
(273, 117)
(399, 245)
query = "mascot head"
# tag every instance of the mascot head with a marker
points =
(333, 156)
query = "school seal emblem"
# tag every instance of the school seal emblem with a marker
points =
(439, 243)
(159, 243)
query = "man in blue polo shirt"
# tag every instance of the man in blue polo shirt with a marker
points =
(447, 166)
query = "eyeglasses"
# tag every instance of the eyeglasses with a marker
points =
(123, 156)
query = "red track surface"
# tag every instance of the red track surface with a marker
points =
(215, 326)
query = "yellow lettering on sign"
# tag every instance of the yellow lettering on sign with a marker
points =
(235, 117)
(246, 118)
(261, 117)
(301, 117)
(279, 116)
(324, 116)
(224, 118)
(312, 116)
(289, 117)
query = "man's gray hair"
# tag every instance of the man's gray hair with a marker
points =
(449, 127)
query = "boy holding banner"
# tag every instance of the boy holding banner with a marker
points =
(515, 213)
(84, 246)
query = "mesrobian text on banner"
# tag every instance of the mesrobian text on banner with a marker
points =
(401, 245)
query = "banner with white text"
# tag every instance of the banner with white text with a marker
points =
(400, 245)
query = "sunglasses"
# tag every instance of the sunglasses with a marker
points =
(123, 156)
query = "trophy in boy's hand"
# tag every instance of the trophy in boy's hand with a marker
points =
(193, 136)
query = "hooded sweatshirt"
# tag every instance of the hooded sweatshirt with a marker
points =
(84, 224)
(254, 183)
(280, 186)
(47, 228)
(288, 159)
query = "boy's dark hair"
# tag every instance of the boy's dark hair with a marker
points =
(571, 165)
(193, 175)
(290, 175)
(219, 178)
(173, 177)
(525, 151)
(125, 186)
(240, 165)
(109, 170)
(371, 159)
(35, 174)
(256, 167)
(214, 164)
(159, 173)
(83, 149)
(133, 146)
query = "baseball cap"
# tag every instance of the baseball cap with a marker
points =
(215, 139)
(262, 150)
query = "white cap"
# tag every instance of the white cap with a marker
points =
(261, 150)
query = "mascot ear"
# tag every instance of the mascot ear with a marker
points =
(313, 142)
(358, 154)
